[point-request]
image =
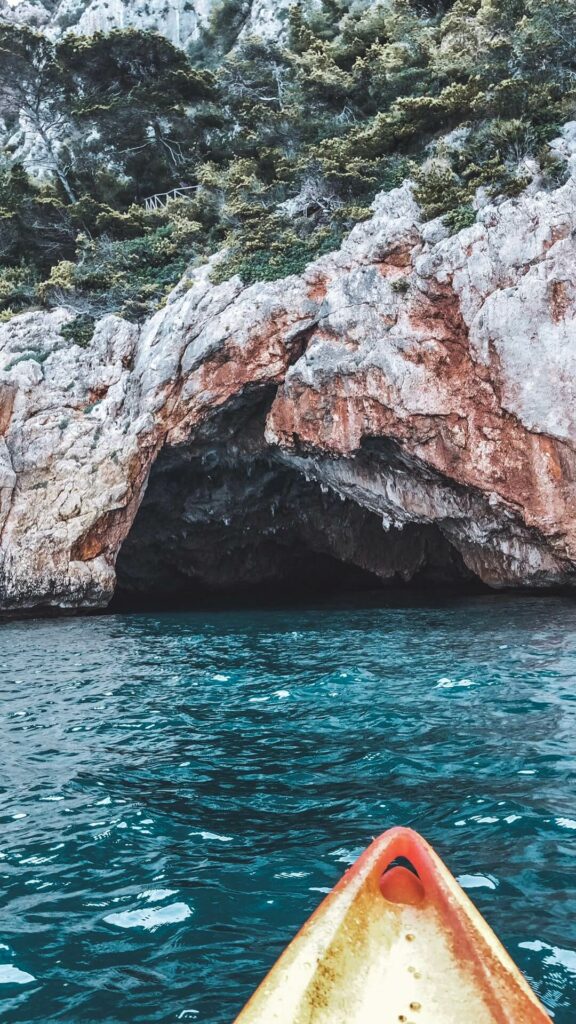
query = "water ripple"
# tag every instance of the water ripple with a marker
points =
(178, 791)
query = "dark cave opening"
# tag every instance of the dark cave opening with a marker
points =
(224, 521)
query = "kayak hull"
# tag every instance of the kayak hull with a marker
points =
(390, 944)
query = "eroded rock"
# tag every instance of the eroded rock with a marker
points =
(405, 407)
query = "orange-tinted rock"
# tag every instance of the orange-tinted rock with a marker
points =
(429, 382)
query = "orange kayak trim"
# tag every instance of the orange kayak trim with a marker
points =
(391, 945)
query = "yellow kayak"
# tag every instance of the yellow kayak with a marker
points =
(391, 945)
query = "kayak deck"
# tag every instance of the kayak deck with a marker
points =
(395, 946)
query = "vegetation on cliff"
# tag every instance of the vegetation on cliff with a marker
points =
(282, 146)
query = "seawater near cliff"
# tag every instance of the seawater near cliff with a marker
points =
(211, 775)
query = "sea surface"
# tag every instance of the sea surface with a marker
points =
(178, 791)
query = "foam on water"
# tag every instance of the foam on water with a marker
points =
(150, 918)
(555, 955)
(450, 684)
(477, 882)
(156, 895)
(10, 975)
(214, 836)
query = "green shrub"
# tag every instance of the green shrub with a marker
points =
(17, 288)
(284, 256)
(80, 330)
(401, 285)
(461, 217)
(131, 277)
(438, 190)
(354, 99)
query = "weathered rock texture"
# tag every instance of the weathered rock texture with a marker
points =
(406, 408)
(181, 21)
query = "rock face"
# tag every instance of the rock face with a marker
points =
(181, 21)
(405, 410)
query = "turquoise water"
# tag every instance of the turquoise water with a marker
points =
(178, 791)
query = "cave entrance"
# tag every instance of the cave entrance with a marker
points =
(215, 527)
(225, 520)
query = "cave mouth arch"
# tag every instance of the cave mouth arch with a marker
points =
(225, 520)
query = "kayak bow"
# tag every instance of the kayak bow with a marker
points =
(390, 946)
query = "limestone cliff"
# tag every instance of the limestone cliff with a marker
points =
(406, 408)
(181, 21)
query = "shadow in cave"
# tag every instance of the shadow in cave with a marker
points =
(226, 522)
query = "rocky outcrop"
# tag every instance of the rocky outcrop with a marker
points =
(406, 409)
